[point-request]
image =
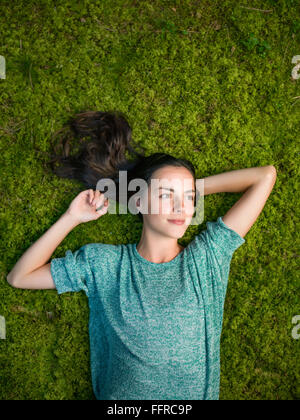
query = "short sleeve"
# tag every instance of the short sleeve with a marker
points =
(221, 239)
(72, 272)
(221, 242)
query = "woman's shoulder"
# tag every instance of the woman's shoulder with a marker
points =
(102, 250)
(101, 246)
(217, 238)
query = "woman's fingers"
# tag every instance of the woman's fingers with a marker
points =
(91, 196)
(100, 206)
(98, 199)
(95, 197)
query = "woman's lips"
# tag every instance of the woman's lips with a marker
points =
(176, 222)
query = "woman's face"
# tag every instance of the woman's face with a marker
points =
(164, 204)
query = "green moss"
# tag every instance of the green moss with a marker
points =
(208, 81)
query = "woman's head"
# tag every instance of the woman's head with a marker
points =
(170, 193)
(170, 196)
(105, 155)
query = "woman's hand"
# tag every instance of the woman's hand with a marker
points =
(83, 207)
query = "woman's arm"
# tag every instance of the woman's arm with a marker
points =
(235, 181)
(31, 271)
(40, 252)
(256, 183)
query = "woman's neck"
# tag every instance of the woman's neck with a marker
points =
(164, 252)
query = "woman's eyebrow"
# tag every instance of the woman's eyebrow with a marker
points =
(171, 189)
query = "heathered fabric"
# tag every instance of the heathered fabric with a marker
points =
(154, 328)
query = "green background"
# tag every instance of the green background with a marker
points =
(209, 81)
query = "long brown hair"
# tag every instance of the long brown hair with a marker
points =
(103, 140)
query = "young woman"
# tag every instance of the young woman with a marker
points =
(156, 308)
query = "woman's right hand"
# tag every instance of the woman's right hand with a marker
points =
(83, 207)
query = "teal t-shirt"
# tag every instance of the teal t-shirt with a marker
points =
(154, 328)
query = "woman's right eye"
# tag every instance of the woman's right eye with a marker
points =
(163, 194)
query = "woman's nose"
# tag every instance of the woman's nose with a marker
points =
(178, 205)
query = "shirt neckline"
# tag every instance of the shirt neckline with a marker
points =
(153, 264)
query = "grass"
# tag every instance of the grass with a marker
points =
(207, 81)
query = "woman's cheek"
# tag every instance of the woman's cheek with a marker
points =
(189, 208)
(166, 207)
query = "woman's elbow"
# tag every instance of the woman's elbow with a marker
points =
(11, 281)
